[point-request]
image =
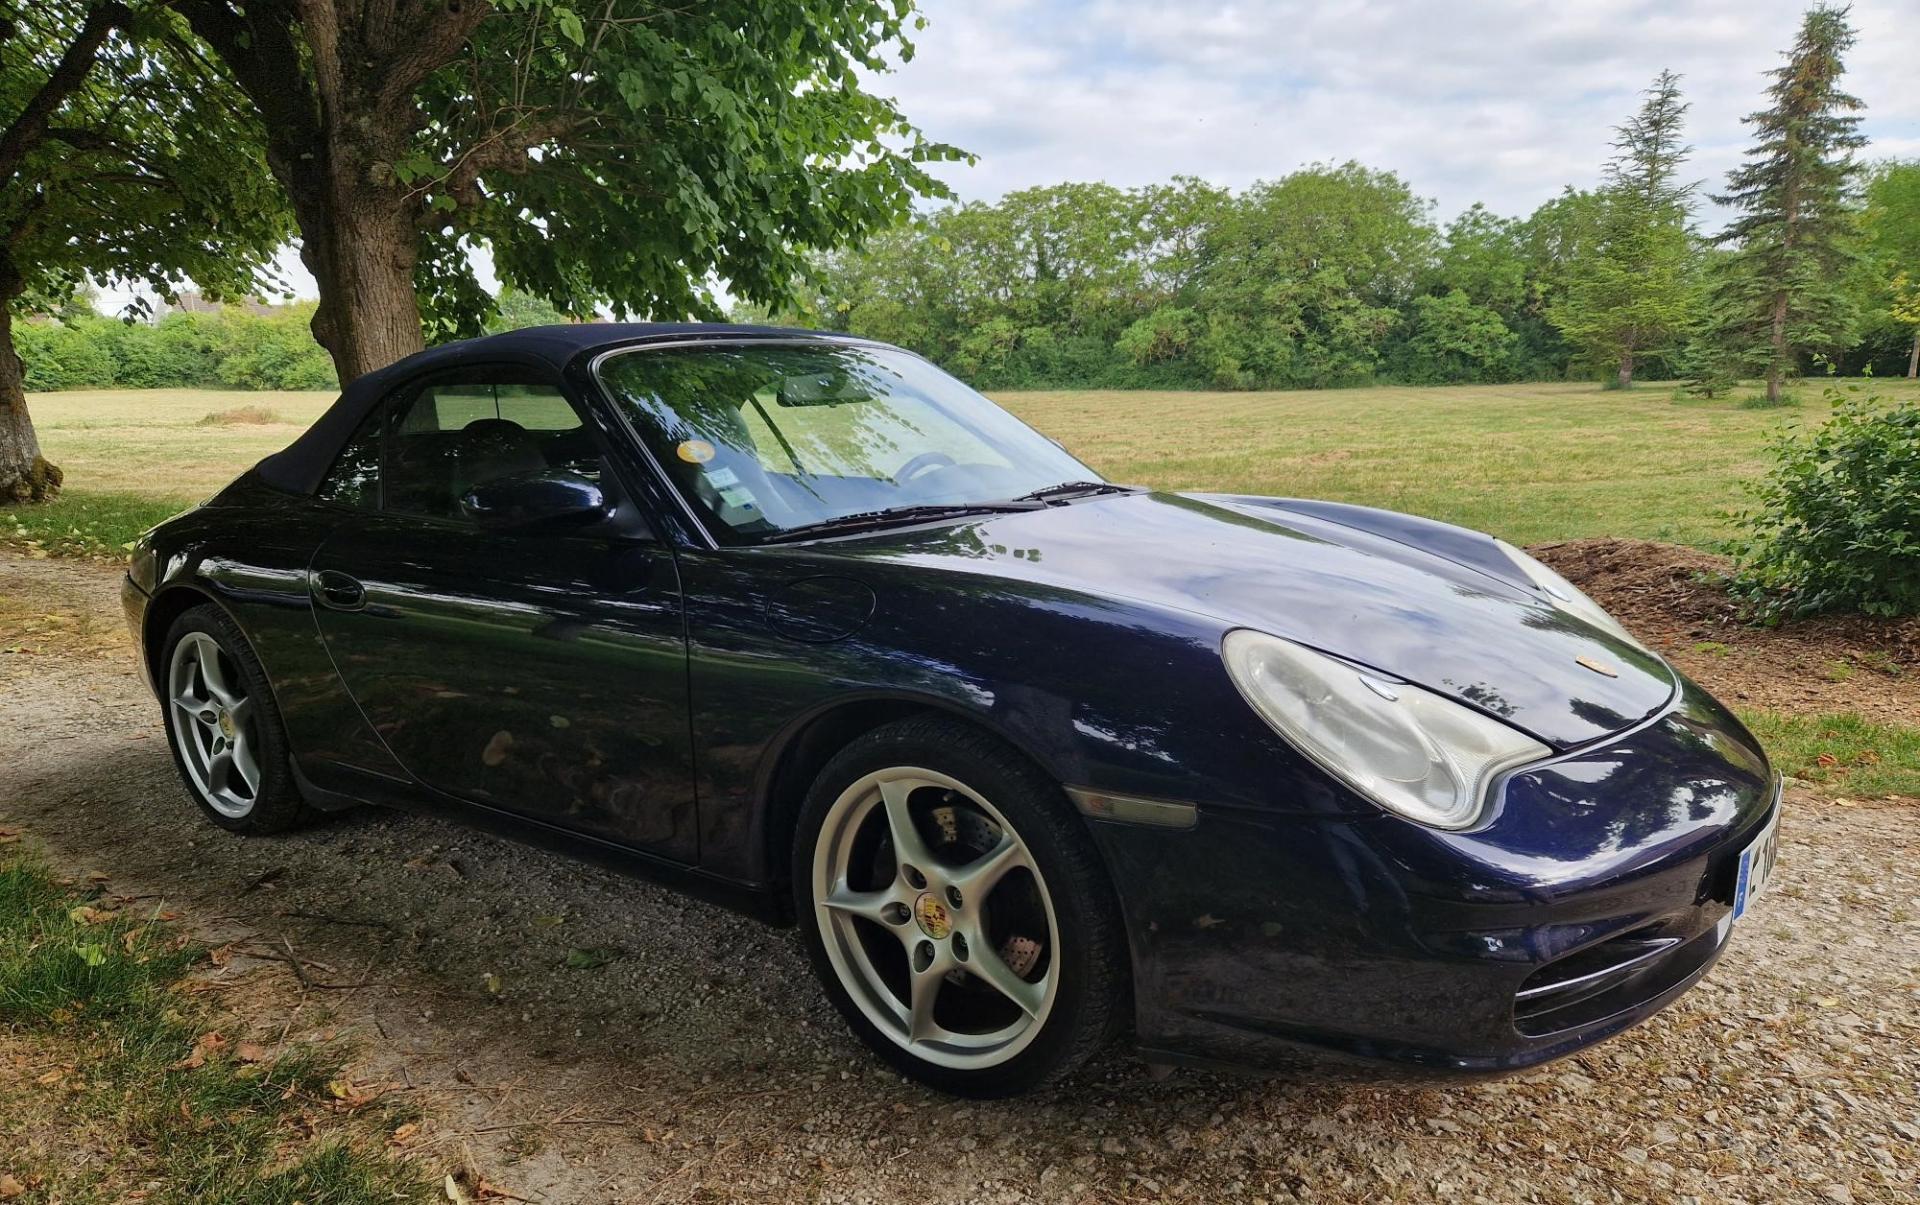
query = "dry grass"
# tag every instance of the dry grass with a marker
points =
(152, 442)
(242, 416)
(1530, 462)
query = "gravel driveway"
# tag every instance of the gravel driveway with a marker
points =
(583, 1037)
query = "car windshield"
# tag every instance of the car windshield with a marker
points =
(776, 439)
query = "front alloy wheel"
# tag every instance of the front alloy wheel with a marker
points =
(213, 725)
(935, 917)
(956, 910)
(224, 726)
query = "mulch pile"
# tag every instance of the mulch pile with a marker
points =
(1671, 598)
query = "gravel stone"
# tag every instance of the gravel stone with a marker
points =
(702, 1064)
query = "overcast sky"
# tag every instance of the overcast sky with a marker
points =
(1501, 101)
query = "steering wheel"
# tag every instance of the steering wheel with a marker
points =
(920, 464)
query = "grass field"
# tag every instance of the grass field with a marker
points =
(1528, 462)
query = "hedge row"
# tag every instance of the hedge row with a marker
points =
(232, 349)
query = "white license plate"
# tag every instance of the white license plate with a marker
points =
(1756, 867)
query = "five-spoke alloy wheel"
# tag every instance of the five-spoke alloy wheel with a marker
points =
(956, 910)
(223, 726)
(212, 720)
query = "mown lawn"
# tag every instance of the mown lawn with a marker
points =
(1528, 462)
(132, 457)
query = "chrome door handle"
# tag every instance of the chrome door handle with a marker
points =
(339, 591)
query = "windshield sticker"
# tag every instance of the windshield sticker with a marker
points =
(721, 478)
(694, 451)
(738, 495)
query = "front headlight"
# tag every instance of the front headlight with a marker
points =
(1565, 594)
(1410, 751)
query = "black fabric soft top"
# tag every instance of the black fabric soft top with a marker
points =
(299, 467)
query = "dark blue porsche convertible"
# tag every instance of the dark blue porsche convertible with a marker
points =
(797, 622)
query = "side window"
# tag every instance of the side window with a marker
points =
(448, 437)
(354, 479)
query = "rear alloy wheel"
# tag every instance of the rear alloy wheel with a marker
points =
(224, 728)
(956, 911)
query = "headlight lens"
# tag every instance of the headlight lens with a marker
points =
(1565, 594)
(1410, 751)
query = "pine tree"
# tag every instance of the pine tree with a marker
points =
(1794, 237)
(1635, 294)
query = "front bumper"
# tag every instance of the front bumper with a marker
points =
(134, 601)
(1598, 891)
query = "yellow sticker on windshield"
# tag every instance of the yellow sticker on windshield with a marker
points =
(694, 451)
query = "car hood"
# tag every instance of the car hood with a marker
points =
(1425, 602)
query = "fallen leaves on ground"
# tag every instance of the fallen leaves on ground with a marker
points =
(203, 1046)
(354, 1096)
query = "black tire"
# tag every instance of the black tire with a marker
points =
(276, 805)
(1092, 998)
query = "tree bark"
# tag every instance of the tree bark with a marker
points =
(1778, 342)
(361, 252)
(25, 475)
(1913, 357)
(335, 96)
(1624, 375)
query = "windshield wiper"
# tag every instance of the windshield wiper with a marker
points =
(1069, 489)
(868, 520)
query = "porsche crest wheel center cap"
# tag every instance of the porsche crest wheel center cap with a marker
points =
(932, 916)
(226, 724)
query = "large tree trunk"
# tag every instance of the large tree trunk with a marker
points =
(334, 85)
(1913, 357)
(1623, 376)
(361, 250)
(25, 475)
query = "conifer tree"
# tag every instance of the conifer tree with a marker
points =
(1634, 294)
(1793, 239)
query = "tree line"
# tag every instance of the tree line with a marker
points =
(228, 347)
(622, 156)
(1337, 274)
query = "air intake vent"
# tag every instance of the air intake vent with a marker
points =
(1612, 977)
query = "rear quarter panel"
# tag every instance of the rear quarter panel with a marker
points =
(247, 551)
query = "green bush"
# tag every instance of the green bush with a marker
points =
(274, 353)
(231, 349)
(1837, 526)
(1451, 341)
(57, 356)
(1165, 334)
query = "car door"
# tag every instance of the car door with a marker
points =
(538, 673)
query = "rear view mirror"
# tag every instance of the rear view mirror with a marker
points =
(821, 389)
(546, 498)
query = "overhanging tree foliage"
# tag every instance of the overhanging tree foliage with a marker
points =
(124, 158)
(620, 153)
(1634, 293)
(1785, 287)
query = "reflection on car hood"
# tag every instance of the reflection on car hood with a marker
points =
(1425, 602)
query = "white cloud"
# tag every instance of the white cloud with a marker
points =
(1502, 101)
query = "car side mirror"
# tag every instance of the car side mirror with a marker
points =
(546, 498)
